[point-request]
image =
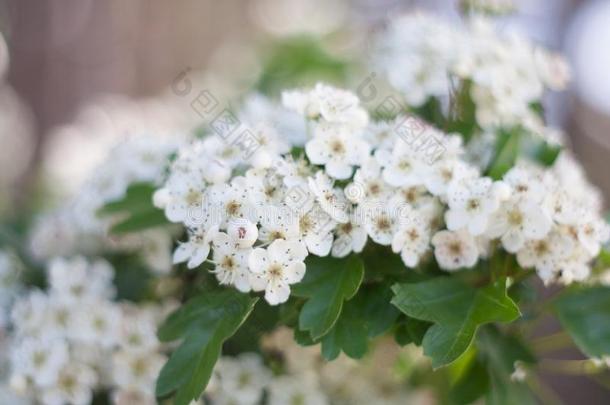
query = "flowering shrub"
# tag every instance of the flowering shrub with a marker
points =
(425, 218)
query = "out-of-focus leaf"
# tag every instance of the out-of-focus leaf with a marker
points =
(136, 210)
(585, 314)
(505, 154)
(499, 354)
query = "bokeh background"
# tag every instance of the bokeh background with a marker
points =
(77, 74)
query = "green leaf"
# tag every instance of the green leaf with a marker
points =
(299, 61)
(462, 112)
(546, 153)
(328, 282)
(137, 206)
(137, 197)
(585, 315)
(499, 353)
(456, 309)
(139, 221)
(367, 315)
(506, 153)
(470, 378)
(411, 330)
(204, 324)
(349, 334)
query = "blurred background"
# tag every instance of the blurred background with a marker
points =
(77, 74)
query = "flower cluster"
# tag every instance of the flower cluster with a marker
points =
(73, 339)
(306, 379)
(505, 75)
(76, 226)
(401, 183)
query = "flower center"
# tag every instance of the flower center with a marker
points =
(193, 197)
(275, 271)
(515, 217)
(337, 147)
(455, 248)
(233, 208)
(473, 204)
(383, 223)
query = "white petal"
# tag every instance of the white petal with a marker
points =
(199, 255)
(338, 169)
(294, 272)
(455, 219)
(183, 252)
(513, 240)
(316, 151)
(319, 246)
(258, 260)
(258, 282)
(277, 293)
(175, 211)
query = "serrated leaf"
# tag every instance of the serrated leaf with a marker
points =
(585, 315)
(204, 324)
(456, 309)
(328, 283)
(505, 154)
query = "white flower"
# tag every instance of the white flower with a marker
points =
(444, 172)
(231, 262)
(331, 199)
(275, 268)
(302, 390)
(416, 53)
(315, 227)
(337, 149)
(349, 237)
(138, 331)
(279, 222)
(472, 202)
(75, 384)
(412, 239)
(518, 221)
(545, 254)
(378, 221)
(368, 184)
(39, 359)
(265, 186)
(269, 145)
(182, 195)
(455, 250)
(592, 233)
(525, 183)
(29, 313)
(241, 379)
(402, 166)
(243, 232)
(294, 172)
(136, 370)
(75, 279)
(327, 103)
(98, 322)
(230, 202)
(197, 249)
